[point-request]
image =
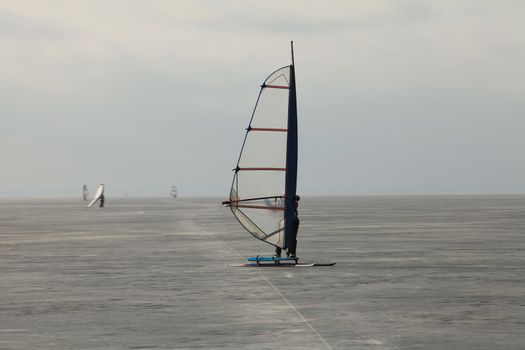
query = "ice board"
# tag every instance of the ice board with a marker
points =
(285, 264)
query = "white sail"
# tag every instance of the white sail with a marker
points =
(174, 192)
(98, 194)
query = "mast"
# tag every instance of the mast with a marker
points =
(291, 160)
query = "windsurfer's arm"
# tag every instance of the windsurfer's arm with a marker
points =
(226, 203)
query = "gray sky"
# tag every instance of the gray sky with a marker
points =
(394, 96)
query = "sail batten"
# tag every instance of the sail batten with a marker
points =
(276, 87)
(269, 129)
(262, 169)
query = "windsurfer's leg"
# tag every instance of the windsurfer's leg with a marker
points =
(278, 251)
(293, 247)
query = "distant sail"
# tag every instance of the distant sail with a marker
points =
(265, 180)
(98, 195)
(173, 192)
(85, 192)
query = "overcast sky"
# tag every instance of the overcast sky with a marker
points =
(393, 96)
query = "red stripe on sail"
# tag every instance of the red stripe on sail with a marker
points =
(269, 129)
(265, 169)
(277, 87)
(259, 207)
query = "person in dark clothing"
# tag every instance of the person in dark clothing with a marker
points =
(296, 221)
(101, 205)
(278, 251)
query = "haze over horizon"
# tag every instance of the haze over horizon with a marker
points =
(393, 96)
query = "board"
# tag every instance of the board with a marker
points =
(283, 265)
(98, 194)
(276, 259)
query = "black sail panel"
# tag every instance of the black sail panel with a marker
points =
(291, 164)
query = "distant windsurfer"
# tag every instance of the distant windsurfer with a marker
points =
(99, 197)
(85, 192)
(173, 191)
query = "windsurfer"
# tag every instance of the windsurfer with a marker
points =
(101, 205)
(260, 176)
(296, 221)
(292, 249)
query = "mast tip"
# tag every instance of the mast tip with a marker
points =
(291, 46)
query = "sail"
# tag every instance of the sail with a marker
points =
(264, 183)
(173, 191)
(98, 194)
